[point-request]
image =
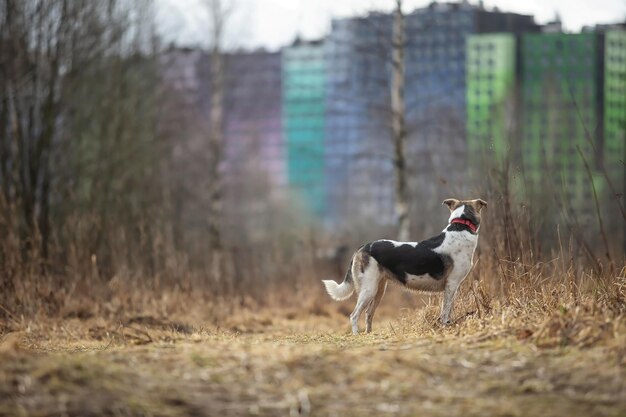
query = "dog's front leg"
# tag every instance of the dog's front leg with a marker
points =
(452, 285)
(448, 300)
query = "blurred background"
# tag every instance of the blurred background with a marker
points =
(246, 147)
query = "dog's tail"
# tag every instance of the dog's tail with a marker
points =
(340, 292)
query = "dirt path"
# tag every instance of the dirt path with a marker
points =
(307, 367)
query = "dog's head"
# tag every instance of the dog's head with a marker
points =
(465, 209)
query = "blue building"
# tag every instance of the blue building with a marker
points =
(358, 146)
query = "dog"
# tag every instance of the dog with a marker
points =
(440, 263)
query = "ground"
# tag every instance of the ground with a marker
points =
(284, 363)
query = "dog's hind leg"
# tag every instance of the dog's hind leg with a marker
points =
(371, 309)
(369, 281)
(365, 298)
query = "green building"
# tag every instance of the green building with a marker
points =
(615, 106)
(561, 102)
(490, 79)
(615, 119)
(304, 107)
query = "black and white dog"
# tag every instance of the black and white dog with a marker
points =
(440, 263)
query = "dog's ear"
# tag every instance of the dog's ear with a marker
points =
(479, 204)
(452, 203)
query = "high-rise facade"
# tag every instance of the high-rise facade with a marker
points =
(437, 38)
(435, 96)
(615, 106)
(304, 70)
(358, 145)
(253, 116)
(491, 96)
(561, 109)
(253, 169)
(614, 158)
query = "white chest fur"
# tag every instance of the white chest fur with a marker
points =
(459, 246)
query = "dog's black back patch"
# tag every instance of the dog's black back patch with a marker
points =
(408, 259)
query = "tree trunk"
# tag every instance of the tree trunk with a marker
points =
(215, 157)
(398, 124)
(216, 140)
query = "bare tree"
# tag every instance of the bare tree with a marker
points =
(398, 124)
(71, 71)
(218, 14)
(33, 38)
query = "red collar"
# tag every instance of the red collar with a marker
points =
(467, 223)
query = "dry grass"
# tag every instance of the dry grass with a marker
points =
(553, 349)
(307, 366)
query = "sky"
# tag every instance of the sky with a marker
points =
(272, 24)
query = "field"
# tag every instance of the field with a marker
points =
(496, 359)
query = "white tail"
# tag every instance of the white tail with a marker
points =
(339, 292)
